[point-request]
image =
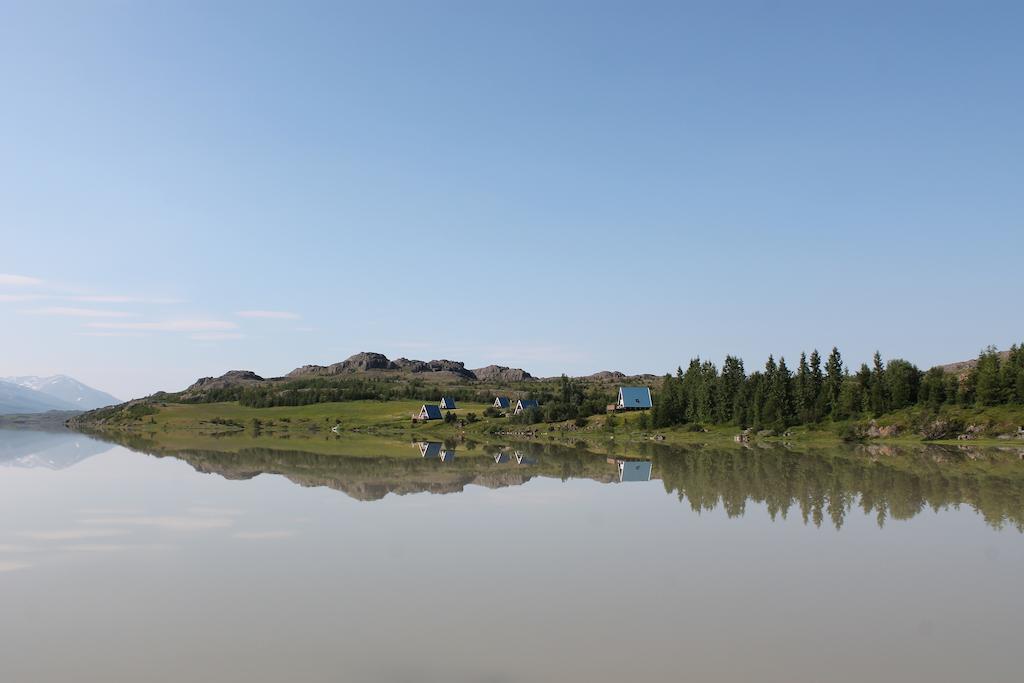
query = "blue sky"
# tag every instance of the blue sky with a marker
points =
(569, 186)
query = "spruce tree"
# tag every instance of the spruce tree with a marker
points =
(833, 379)
(879, 390)
(987, 388)
(783, 394)
(817, 387)
(803, 395)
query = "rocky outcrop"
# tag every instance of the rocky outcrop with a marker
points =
(965, 366)
(232, 378)
(501, 373)
(411, 365)
(450, 366)
(606, 376)
(360, 362)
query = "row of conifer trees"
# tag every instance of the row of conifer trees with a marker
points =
(779, 397)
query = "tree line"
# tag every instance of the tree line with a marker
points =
(778, 397)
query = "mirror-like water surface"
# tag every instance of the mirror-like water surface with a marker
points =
(462, 562)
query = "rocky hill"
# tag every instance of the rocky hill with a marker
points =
(965, 366)
(501, 373)
(370, 362)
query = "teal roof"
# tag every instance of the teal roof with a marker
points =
(635, 397)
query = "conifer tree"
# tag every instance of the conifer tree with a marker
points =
(987, 388)
(730, 384)
(817, 387)
(879, 391)
(833, 379)
(802, 392)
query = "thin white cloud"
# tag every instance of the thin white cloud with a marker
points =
(80, 312)
(273, 315)
(166, 522)
(13, 566)
(116, 299)
(217, 336)
(71, 534)
(305, 329)
(8, 548)
(214, 511)
(20, 297)
(170, 325)
(110, 334)
(19, 280)
(263, 535)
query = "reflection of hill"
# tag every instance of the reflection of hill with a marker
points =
(373, 477)
(52, 450)
(884, 481)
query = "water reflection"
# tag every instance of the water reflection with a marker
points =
(819, 484)
(430, 449)
(55, 450)
(632, 470)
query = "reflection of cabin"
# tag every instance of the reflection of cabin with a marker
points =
(501, 458)
(447, 456)
(429, 412)
(524, 459)
(630, 470)
(448, 403)
(430, 449)
(525, 404)
(634, 398)
(502, 402)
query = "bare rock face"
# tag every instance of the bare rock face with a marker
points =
(228, 379)
(411, 365)
(367, 360)
(501, 373)
(607, 376)
(360, 362)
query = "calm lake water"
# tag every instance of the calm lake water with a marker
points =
(435, 563)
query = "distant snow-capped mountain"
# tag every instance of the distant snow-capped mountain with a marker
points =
(58, 392)
(16, 399)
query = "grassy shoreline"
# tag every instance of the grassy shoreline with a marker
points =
(187, 422)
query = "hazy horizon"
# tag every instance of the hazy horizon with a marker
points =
(191, 189)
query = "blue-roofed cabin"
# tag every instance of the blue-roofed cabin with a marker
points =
(501, 458)
(448, 403)
(525, 404)
(430, 449)
(447, 456)
(502, 402)
(428, 412)
(630, 470)
(634, 398)
(523, 459)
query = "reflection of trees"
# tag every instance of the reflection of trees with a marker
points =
(830, 483)
(883, 481)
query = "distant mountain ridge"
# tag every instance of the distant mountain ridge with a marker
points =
(32, 394)
(369, 363)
